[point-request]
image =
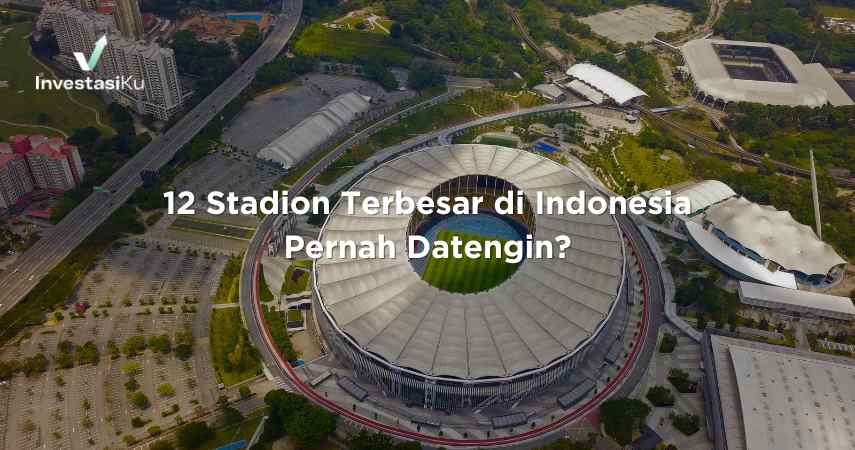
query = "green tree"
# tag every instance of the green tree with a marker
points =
(248, 41)
(622, 417)
(192, 435)
(162, 444)
(140, 400)
(660, 396)
(244, 391)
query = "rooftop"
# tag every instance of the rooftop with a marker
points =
(812, 86)
(620, 90)
(548, 309)
(793, 297)
(777, 398)
(774, 235)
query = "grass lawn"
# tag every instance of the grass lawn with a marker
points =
(495, 140)
(277, 323)
(236, 432)
(266, 295)
(213, 228)
(694, 120)
(345, 45)
(228, 289)
(234, 357)
(24, 105)
(291, 285)
(464, 274)
(836, 11)
(294, 315)
(649, 168)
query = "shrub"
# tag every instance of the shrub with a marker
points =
(245, 391)
(621, 417)
(132, 385)
(669, 342)
(688, 424)
(140, 400)
(193, 435)
(139, 422)
(165, 390)
(680, 380)
(660, 396)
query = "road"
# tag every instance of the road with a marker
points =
(621, 385)
(60, 240)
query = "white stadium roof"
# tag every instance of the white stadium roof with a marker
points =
(701, 195)
(813, 87)
(548, 309)
(300, 141)
(620, 90)
(774, 235)
(586, 91)
(776, 398)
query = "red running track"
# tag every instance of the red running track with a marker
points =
(438, 440)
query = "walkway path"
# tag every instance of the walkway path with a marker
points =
(30, 125)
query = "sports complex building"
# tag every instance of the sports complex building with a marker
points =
(754, 242)
(723, 72)
(444, 349)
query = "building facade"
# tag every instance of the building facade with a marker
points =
(37, 162)
(129, 18)
(148, 64)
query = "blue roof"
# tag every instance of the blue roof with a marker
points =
(544, 147)
(241, 444)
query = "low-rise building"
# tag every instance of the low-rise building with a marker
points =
(796, 302)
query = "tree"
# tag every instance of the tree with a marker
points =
(88, 353)
(140, 400)
(165, 390)
(396, 30)
(192, 435)
(161, 344)
(245, 391)
(621, 417)
(162, 444)
(131, 368)
(311, 426)
(660, 396)
(134, 345)
(248, 41)
(424, 75)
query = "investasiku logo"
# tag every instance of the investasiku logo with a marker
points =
(89, 65)
(119, 82)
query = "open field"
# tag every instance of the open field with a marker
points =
(22, 104)
(213, 228)
(637, 23)
(466, 275)
(650, 168)
(345, 45)
(836, 11)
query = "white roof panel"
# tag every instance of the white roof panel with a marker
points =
(547, 310)
(620, 90)
(805, 299)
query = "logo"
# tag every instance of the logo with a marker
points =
(88, 66)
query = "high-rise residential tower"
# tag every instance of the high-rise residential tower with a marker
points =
(129, 18)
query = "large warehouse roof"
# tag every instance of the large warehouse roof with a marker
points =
(620, 90)
(775, 398)
(299, 142)
(796, 298)
(774, 235)
(545, 311)
(813, 87)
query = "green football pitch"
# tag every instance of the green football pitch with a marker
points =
(466, 275)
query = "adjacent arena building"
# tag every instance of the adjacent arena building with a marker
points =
(445, 350)
(723, 72)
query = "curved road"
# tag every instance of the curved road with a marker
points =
(626, 380)
(60, 240)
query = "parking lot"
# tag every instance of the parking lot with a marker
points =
(135, 290)
(225, 170)
(269, 116)
(638, 23)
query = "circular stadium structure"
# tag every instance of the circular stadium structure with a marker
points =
(440, 349)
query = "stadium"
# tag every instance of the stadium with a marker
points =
(723, 72)
(450, 334)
